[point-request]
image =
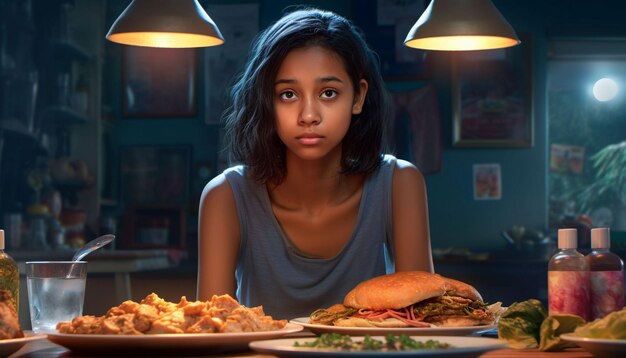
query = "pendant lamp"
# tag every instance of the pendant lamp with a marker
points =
(165, 23)
(461, 25)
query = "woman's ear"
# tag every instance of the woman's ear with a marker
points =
(359, 98)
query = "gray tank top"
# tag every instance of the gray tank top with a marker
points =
(272, 273)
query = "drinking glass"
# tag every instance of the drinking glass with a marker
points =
(56, 292)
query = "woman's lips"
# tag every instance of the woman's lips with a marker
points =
(310, 139)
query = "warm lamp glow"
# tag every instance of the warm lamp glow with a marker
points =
(462, 43)
(165, 23)
(461, 25)
(164, 39)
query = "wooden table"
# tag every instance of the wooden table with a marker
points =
(534, 353)
(47, 349)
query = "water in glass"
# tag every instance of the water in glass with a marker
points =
(54, 300)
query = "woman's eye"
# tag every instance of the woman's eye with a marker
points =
(286, 95)
(329, 93)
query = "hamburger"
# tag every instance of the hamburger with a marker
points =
(410, 299)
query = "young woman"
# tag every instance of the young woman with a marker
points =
(315, 207)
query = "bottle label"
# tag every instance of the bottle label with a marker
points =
(568, 292)
(607, 292)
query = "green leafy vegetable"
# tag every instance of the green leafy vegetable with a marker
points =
(555, 325)
(330, 340)
(519, 324)
(406, 343)
(612, 326)
(526, 324)
(371, 344)
(336, 341)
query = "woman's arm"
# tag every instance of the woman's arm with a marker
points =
(411, 234)
(218, 240)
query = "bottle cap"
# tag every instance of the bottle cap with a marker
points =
(568, 238)
(1, 239)
(600, 238)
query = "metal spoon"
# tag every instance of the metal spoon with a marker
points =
(93, 245)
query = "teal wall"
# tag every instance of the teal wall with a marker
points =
(457, 220)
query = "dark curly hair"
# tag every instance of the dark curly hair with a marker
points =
(249, 121)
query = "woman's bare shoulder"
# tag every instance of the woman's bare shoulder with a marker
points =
(217, 190)
(406, 173)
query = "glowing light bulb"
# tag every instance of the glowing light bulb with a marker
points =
(605, 89)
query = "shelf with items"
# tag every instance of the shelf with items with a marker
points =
(50, 94)
(70, 62)
(70, 187)
(21, 139)
(18, 94)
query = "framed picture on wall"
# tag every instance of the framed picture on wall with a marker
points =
(492, 97)
(158, 82)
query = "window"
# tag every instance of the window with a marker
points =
(580, 126)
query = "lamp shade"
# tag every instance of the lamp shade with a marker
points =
(165, 23)
(461, 25)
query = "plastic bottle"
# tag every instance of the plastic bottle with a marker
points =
(9, 274)
(568, 278)
(606, 275)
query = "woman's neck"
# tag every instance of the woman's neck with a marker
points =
(313, 185)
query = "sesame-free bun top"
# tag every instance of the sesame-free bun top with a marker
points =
(402, 289)
(458, 288)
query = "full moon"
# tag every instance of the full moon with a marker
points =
(605, 89)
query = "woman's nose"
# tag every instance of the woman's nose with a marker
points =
(309, 114)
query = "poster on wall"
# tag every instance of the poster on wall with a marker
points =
(566, 158)
(487, 182)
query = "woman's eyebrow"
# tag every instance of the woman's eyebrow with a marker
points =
(287, 81)
(325, 79)
(330, 79)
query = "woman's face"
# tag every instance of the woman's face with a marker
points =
(314, 101)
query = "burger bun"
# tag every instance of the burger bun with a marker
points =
(402, 289)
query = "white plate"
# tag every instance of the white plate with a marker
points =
(466, 347)
(9, 346)
(598, 347)
(166, 343)
(414, 331)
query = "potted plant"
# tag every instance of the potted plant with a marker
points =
(609, 187)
